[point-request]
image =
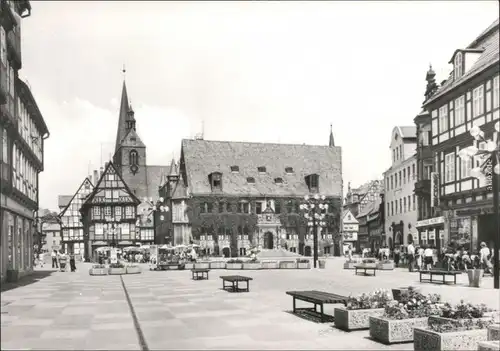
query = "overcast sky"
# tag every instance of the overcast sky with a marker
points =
(252, 71)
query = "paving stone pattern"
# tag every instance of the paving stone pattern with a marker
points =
(77, 311)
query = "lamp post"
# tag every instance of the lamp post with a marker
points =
(491, 169)
(156, 207)
(314, 211)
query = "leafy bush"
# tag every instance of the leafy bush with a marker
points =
(463, 310)
(302, 260)
(98, 266)
(413, 304)
(459, 325)
(116, 265)
(369, 260)
(386, 262)
(377, 299)
(132, 266)
(234, 261)
(351, 260)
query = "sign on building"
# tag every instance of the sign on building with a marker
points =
(434, 189)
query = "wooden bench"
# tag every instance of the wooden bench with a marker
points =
(318, 298)
(441, 273)
(200, 273)
(235, 280)
(365, 268)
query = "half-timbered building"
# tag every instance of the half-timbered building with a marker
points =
(469, 97)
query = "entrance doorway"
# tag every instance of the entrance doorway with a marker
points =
(268, 241)
(307, 251)
(243, 251)
(226, 252)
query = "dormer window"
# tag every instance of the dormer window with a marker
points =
(215, 180)
(289, 170)
(312, 181)
(278, 180)
(261, 169)
(251, 180)
(458, 65)
(235, 169)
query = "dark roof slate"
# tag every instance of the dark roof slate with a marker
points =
(202, 157)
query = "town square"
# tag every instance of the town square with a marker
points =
(245, 175)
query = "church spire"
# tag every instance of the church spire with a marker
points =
(173, 175)
(331, 142)
(122, 119)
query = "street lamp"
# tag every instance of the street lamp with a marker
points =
(315, 212)
(491, 168)
(156, 207)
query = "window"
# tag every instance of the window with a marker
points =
(129, 212)
(261, 169)
(496, 92)
(404, 204)
(5, 145)
(97, 212)
(478, 101)
(99, 231)
(258, 207)
(251, 180)
(235, 169)
(449, 167)
(459, 111)
(118, 211)
(404, 176)
(312, 182)
(278, 180)
(3, 47)
(465, 167)
(458, 66)
(288, 170)
(392, 208)
(400, 206)
(443, 118)
(414, 203)
(392, 181)
(393, 155)
(125, 230)
(413, 171)
(277, 206)
(400, 178)
(107, 211)
(108, 194)
(289, 206)
(222, 207)
(215, 180)
(133, 158)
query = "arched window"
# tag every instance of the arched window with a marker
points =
(133, 157)
(458, 65)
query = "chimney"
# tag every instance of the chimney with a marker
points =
(102, 171)
(96, 179)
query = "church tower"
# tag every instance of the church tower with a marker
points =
(331, 142)
(130, 152)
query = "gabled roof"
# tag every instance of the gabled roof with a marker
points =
(80, 191)
(132, 139)
(353, 219)
(371, 207)
(488, 41)
(203, 157)
(477, 51)
(408, 132)
(110, 168)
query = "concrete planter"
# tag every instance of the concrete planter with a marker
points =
(355, 319)
(288, 265)
(389, 331)
(218, 265)
(494, 332)
(321, 264)
(428, 340)
(385, 266)
(117, 271)
(202, 265)
(252, 265)
(493, 345)
(189, 265)
(98, 271)
(304, 265)
(349, 265)
(234, 266)
(270, 265)
(133, 270)
(457, 322)
(173, 267)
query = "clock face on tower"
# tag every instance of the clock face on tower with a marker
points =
(134, 169)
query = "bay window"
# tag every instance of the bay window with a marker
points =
(449, 166)
(478, 101)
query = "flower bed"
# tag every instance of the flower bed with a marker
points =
(303, 263)
(287, 265)
(133, 270)
(412, 310)
(218, 265)
(440, 336)
(270, 265)
(234, 264)
(369, 262)
(116, 269)
(252, 264)
(397, 292)
(355, 316)
(202, 265)
(385, 265)
(461, 315)
(98, 269)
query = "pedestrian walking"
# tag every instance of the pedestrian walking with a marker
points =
(484, 254)
(397, 256)
(411, 256)
(40, 259)
(54, 259)
(72, 263)
(428, 258)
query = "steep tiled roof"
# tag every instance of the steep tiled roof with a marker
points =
(488, 58)
(202, 157)
(132, 139)
(154, 179)
(180, 191)
(64, 200)
(408, 131)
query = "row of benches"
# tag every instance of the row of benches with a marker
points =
(443, 274)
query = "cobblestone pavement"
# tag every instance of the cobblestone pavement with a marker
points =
(78, 311)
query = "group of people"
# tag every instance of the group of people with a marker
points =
(59, 260)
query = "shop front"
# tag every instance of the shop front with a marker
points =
(431, 232)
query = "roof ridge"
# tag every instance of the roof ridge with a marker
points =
(255, 142)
